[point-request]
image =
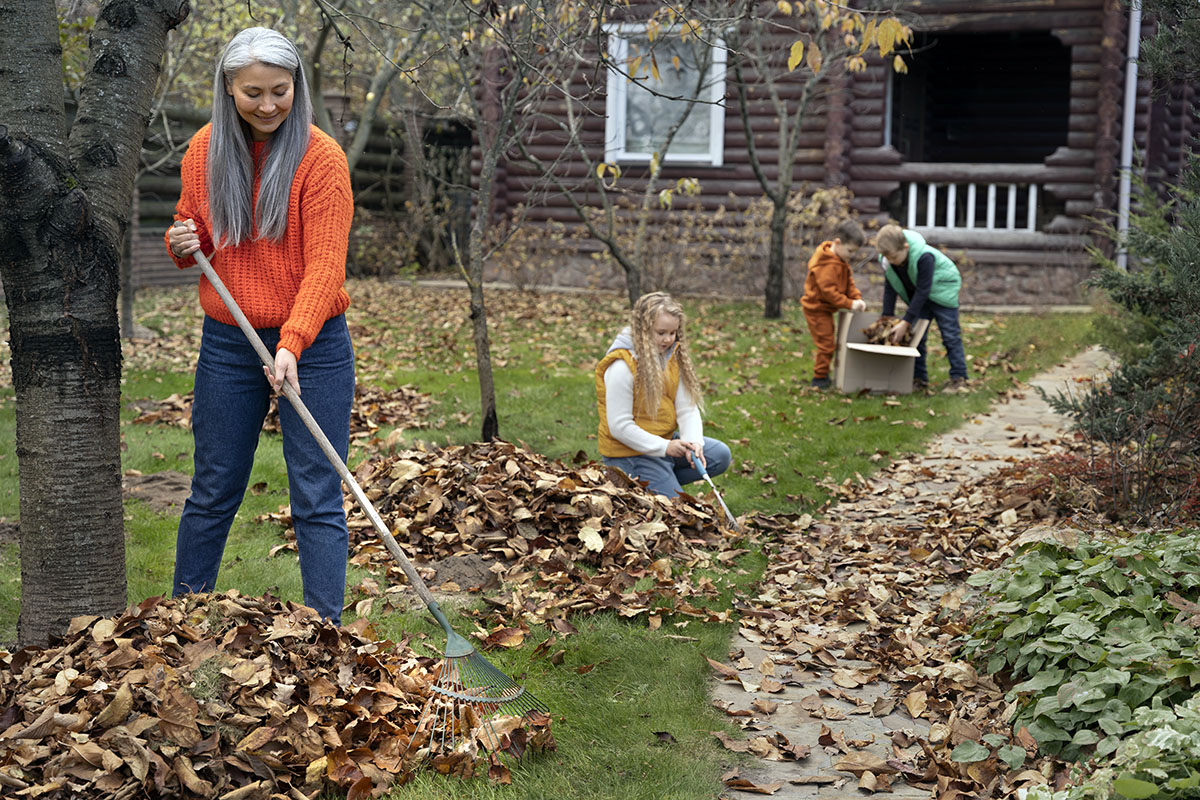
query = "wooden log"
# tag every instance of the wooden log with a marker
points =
(875, 155)
(866, 122)
(1083, 122)
(977, 237)
(866, 138)
(865, 205)
(1082, 105)
(969, 7)
(993, 22)
(972, 173)
(1080, 208)
(1082, 140)
(872, 188)
(1072, 36)
(1071, 191)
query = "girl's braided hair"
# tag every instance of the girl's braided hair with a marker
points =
(650, 381)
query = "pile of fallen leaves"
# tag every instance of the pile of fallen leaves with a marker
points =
(564, 539)
(404, 407)
(221, 696)
(878, 332)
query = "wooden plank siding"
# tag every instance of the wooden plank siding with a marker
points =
(845, 143)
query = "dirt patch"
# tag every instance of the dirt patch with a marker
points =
(468, 572)
(163, 491)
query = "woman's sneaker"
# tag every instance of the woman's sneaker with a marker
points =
(821, 383)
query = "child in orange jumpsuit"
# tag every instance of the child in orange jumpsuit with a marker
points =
(829, 287)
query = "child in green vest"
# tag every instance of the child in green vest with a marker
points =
(649, 402)
(929, 283)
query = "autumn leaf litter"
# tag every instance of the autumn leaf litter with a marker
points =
(221, 696)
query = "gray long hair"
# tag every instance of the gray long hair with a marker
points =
(230, 163)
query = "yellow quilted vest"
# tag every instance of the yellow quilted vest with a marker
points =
(661, 425)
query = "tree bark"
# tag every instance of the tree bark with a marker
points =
(64, 206)
(773, 294)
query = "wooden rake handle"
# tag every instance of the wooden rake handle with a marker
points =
(326, 447)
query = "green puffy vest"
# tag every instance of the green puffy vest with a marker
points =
(946, 279)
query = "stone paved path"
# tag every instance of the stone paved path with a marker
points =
(982, 445)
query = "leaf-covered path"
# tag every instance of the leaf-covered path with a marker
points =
(843, 671)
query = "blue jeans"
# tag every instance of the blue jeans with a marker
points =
(231, 401)
(667, 475)
(947, 322)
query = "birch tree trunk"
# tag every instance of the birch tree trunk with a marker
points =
(64, 207)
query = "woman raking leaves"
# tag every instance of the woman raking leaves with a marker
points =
(268, 196)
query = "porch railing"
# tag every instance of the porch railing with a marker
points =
(986, 197)
(983, 205)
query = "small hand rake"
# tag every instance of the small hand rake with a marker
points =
(469, 690)
(699, 465)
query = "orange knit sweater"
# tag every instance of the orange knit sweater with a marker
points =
(296, 283)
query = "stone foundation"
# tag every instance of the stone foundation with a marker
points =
(983, 285)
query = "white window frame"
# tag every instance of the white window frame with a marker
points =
(616, 104)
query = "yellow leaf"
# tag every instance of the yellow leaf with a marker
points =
(796, 55)
(888, 32)
(784, 7)
(868, 36)
(635, 67)
(815, 59)
(315, 770)
(654, 68)
(898, 65)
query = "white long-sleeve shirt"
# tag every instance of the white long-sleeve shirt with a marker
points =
(618, 392)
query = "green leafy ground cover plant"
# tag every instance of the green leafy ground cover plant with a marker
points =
(1089, 633)
(1160, 758)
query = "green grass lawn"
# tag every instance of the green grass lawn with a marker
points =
(789, 444)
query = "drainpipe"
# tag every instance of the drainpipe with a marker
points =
(1127, 123)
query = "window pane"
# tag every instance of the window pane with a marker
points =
(648, 116)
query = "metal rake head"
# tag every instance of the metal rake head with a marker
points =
(474, 706)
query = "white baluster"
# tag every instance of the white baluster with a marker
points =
(991, 209)
(912, 205)
(931, 205)
(951, 197)
(1033, 202)
(970, 205)
(1011, 215)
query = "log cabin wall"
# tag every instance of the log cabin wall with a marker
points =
(1032, 247)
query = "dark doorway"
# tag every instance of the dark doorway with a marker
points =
(999, 98)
